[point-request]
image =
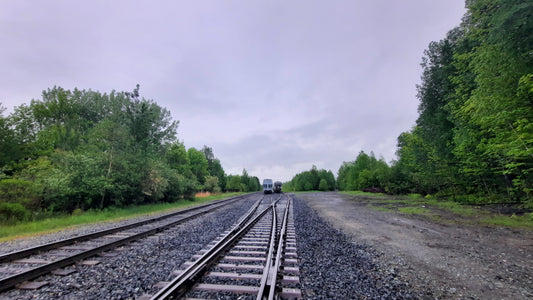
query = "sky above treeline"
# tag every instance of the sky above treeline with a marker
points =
(272, 86)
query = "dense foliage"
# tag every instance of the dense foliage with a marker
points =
(363, 173)
(312, 180)
(243, 183)
(473, 139)
(86, 150)
(474, 134)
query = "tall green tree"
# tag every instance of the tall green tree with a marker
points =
(234, 183)
(198, 164)
(214, 167)
(496, 110)
(150, 124)
(102, 149)
(10, 146)
(473, 134)
(313, 179)
(365, 172)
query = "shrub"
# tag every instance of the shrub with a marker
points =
(10, 212)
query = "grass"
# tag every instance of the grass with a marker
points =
(415, 210)
(456, 208)
(381, 208)
(25, 229)
(525, 221)
(441, 210)
(366, 194)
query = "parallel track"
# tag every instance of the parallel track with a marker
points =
(43, 259)
(260, 251)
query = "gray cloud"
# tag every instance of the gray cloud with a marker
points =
(273, 87)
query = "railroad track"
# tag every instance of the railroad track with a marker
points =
(20, 266)
(255, 259)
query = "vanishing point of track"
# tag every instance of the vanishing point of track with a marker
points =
(257, 257)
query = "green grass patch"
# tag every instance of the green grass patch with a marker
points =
(403, 202)
(454, 207)
(442, 210)
(524, 221)
(418, 210)
(366, 194)
(381, 208)
(53, 224)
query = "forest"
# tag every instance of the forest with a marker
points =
(473, 139)
(81, 150)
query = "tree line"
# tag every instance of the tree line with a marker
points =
(82, 149)
(473, 139)
(312, 180)
(474, 133)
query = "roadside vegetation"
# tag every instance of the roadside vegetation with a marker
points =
(447, 211)
(473, 140)
(77, 218)
(312, 180)
(81, 150)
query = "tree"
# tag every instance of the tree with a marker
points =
(214, 167)
(245, 181)
(311, 180)
(254, 184)
(198, 164)
(234, 183)
(471, 136)
(81, 149)
(150, 125)
(177, 158)
(10, 147)
(323, 185)
(492, 142)
(211, 184)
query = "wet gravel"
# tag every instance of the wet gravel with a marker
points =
(333, 267)
(134, 269)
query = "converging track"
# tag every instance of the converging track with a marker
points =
(257, 258)
(20, 266)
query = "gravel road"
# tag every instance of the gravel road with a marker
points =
(333, 267)
(440, 261)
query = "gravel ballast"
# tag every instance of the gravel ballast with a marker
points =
(137, 267)
(333, 267)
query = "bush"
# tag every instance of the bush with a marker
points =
(323, 185)
(24, 192)
(77, 212)
(10, 212)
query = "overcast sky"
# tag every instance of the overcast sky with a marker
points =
(272, 86)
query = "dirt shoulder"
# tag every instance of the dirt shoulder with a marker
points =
(440, 260)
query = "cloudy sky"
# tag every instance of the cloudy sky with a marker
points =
(272, 86)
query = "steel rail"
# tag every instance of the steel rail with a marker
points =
(266, 271)
(7, 257)
(281, 244)
(181, 283)
(8, 282)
